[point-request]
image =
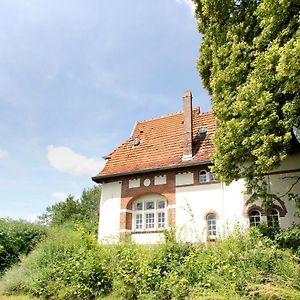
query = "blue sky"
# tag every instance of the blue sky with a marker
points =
(74, 77)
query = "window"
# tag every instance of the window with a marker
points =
(203, 176)
(211, 226)
(149, 215)
(273, 218)
(212, 176)
(254, 217)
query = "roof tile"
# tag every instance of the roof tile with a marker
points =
(161, 144)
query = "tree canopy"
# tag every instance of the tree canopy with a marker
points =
(250, 64)
(75, 211)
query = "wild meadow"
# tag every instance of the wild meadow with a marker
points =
(61, 259)
(70, 264)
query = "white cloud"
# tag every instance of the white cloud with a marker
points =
(66, 160)
(190, 4)
(60, 196)
(3, 153)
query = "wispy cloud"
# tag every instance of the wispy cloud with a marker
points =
(66, 160)
(60, 196)
(190, 4)
(3, 153)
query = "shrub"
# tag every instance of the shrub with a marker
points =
(227, 269)
(290, 238)
(17, 238)
(70, 265)
(66, 265)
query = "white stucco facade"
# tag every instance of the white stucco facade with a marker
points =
(194, 201)
(109, 217)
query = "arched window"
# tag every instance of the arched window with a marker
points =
(273, 218)
(149, 215)
(203, 176)
(211, 220)
(254, 217)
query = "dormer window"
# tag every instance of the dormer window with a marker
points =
(202, 131)
(136, 142)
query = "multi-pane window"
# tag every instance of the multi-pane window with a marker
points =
(254, 217)
(273, 218)
(211, 226)
(212, 176)
(203, 176)
(138, 221)
(149, 215)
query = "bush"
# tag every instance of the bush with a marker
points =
(17, 238)
(228, 269)
(67, 265)
(70, 265)
(290, 238)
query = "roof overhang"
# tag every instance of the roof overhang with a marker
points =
(101, 178)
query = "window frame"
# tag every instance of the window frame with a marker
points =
(211, 224)
(150, 219)
(201, 174)
(270, 218)
(254, 223)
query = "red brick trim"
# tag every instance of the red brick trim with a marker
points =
(211, 212)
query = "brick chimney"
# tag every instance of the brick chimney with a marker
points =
(188, 126)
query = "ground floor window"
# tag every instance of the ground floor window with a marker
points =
(149, 215)
(211, 226)
(254, 217)
(273, 218)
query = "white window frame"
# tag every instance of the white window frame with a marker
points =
(254, 217)
(203, 174)
(211, 223)
(149, 219)
(273, 218)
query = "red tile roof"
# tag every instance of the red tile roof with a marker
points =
(161, 145)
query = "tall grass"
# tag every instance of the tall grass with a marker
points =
(70, 265)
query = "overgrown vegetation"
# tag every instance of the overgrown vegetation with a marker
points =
(71, 212)
(17, 238)
(71, 265)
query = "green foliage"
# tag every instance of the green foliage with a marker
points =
(229, 269)
(83, 211)
(249, 63)
(67, 265)
(70, 265)
(290, 238)
(17, 238)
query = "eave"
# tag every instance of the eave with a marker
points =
(101, 178)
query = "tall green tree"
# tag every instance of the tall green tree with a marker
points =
(73, 211)
(250, 64)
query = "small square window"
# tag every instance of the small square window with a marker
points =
(139, 206)
(161, 204)
(150, 205)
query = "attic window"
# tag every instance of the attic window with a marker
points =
(202, 131)
(136, 142)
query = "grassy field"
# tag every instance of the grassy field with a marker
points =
(2, 297)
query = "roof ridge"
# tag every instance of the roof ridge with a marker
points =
(166, 115)
(161, 117)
